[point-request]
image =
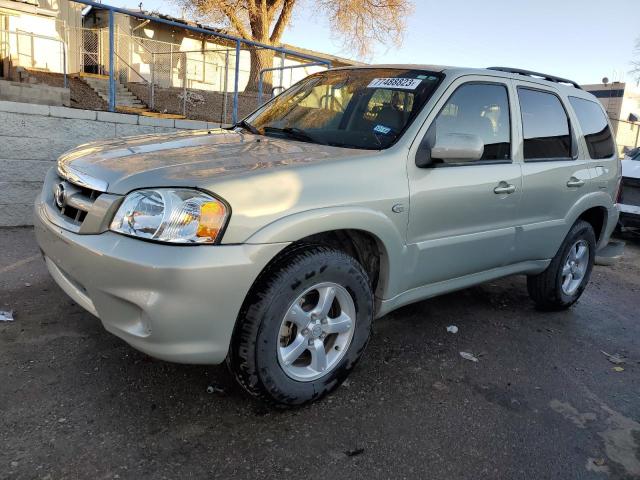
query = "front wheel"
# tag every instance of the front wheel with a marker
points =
(304, 326)
(566, 277)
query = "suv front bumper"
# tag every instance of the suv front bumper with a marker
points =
(176, 303)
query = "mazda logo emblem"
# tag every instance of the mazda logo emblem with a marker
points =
(59, 195)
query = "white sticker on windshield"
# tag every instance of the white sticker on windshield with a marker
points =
(403, 83)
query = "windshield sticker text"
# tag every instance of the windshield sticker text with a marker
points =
(402, 83)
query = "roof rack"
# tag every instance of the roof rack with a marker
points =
(529, 73)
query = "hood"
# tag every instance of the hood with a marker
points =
(191, 158)
(631, 168)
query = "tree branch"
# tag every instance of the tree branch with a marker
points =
(234, 19)
(283, 20)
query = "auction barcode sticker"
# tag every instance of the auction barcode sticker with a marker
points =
(403, 83)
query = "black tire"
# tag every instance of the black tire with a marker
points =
(546, 288)
(253, 357)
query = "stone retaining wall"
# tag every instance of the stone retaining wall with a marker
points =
(33, 92)
(32, 137)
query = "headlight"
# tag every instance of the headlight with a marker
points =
(171, 215)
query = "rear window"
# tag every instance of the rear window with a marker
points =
(545, 126)
(595, 127)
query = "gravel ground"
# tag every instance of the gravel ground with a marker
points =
(82, 95)
(542, 402)
(201, 104)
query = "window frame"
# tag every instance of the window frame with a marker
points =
(584, 134)
(573, 146)
(507, 161)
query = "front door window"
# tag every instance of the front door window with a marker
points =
(480, 109)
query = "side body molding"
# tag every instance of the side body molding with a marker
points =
(390, 239)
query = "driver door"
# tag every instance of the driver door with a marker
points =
(463, 216)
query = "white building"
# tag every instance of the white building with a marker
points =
(622, 103)
(33, 34)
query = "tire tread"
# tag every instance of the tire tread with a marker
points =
(241, 359)
(543, 287)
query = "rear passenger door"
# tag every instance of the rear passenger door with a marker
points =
(598, 143)
(555, 173)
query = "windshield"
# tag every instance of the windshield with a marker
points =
(365, 108)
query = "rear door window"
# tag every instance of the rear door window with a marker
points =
(595, 127)
(545, 126)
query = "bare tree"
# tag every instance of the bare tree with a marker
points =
(359, 23)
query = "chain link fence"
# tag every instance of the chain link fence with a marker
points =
(32, 51)
(171, 78)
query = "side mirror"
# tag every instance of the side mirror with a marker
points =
(458, 148)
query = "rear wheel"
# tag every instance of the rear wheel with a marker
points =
(566, 277)
(303, 327)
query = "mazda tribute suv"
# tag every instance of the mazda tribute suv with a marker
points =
(275, 244)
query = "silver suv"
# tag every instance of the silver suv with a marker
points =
(275, 244)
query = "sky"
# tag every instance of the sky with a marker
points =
(584, 40)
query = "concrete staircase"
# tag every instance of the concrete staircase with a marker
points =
(124, 98)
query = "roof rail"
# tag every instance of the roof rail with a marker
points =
(529, 73)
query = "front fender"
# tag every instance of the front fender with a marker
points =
(303, 224)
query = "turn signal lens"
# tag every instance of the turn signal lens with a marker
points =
(212, 215)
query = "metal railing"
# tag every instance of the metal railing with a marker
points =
(234, 51)
(34, 51)
(281, 69)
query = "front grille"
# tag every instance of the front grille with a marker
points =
(630, 191)
(75, 201)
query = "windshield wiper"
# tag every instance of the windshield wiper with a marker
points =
(247, 126)
(295, 133)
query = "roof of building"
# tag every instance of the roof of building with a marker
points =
(335, 60)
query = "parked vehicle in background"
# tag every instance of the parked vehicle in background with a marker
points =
(275, 244)
(629, 200)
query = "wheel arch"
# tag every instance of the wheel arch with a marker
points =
(370, 236)
(597, 217)
(595, 210)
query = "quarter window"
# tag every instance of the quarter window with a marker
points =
(479, 109)
(595, 128)
(545, 126)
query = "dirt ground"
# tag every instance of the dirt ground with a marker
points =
(542, 402)
(82, 95)
(201, 104)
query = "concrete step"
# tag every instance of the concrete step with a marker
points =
(106, 89)
(118, 93)
(119, 99)
(124, 97)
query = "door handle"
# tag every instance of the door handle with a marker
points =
(575, 182)
(504, 188)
